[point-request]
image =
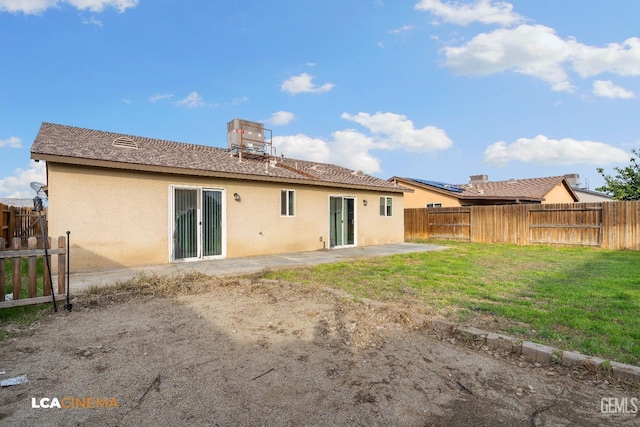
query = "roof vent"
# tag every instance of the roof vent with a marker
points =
(125, 142)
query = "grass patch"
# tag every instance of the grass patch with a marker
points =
(574, 298)
(16, 319)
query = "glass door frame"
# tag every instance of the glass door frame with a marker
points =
(199, 232)
(344, 221)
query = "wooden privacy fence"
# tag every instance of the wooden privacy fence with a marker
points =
(11, 266)
(609, 225)
(19, 222)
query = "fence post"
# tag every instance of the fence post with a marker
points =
(32, 244)
(61, 264)
(17, 269)
(3, 284)
(46, 279)
(12, 222)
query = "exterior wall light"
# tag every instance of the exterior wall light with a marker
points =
(236, 196)
(364, 202)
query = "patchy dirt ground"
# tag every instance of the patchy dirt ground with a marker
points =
(272, 353)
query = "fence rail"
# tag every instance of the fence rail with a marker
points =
(609, 225)
(11, 267)
(19, 222)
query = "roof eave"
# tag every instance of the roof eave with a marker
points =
(202, 172)
(422, 186)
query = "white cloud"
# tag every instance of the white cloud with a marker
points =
(13, 142)
(619, 58)
(99, 5)
(92, 21)
(537, 51)
(241, 100)
(348, 148)
(280, 118)
(160, 96)
(395, 131)
(352, 149)
(17, 185)
(304, 84)
(38, 6)
(607, 89)
(546, 151)
(302, 147)
(533, 50)
(402, 29)
(193, 100)
(26, 6)
(484, 11)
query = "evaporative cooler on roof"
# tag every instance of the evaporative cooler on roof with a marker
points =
(248, 139)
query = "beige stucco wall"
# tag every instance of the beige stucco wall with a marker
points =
(420, 197)
(559, 194)
(121, 218)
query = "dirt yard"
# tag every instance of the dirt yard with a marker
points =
(273, 353)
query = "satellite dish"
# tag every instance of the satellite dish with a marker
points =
(37, 187)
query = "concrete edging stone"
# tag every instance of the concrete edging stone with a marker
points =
(534, 352)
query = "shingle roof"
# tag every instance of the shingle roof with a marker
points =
(74, 145)
(531, 189)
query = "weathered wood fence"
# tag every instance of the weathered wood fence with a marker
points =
(19, 222)
(11, 266)
(609, 225)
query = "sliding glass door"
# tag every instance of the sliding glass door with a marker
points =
(342, 227)
(198, 223)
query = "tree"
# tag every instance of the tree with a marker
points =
(626, 184)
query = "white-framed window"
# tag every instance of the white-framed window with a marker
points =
(433, 205)
(287, 202)
(386, 206)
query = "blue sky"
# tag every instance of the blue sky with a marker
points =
(430, 89)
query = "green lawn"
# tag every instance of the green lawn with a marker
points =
(572, 298)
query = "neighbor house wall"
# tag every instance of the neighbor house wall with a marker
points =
(420, 197)
(558, 194)
(121, 218)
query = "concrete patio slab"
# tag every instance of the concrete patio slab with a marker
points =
(234, 266)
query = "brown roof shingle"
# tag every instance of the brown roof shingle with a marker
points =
(74, 145)
(528, 189)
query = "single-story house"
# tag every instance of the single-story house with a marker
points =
(133, 201)
(481, 191)
(583, 193)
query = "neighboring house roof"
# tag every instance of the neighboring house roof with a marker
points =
(514, 190)
(17, 202)
(73, 145)
(583, 193)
